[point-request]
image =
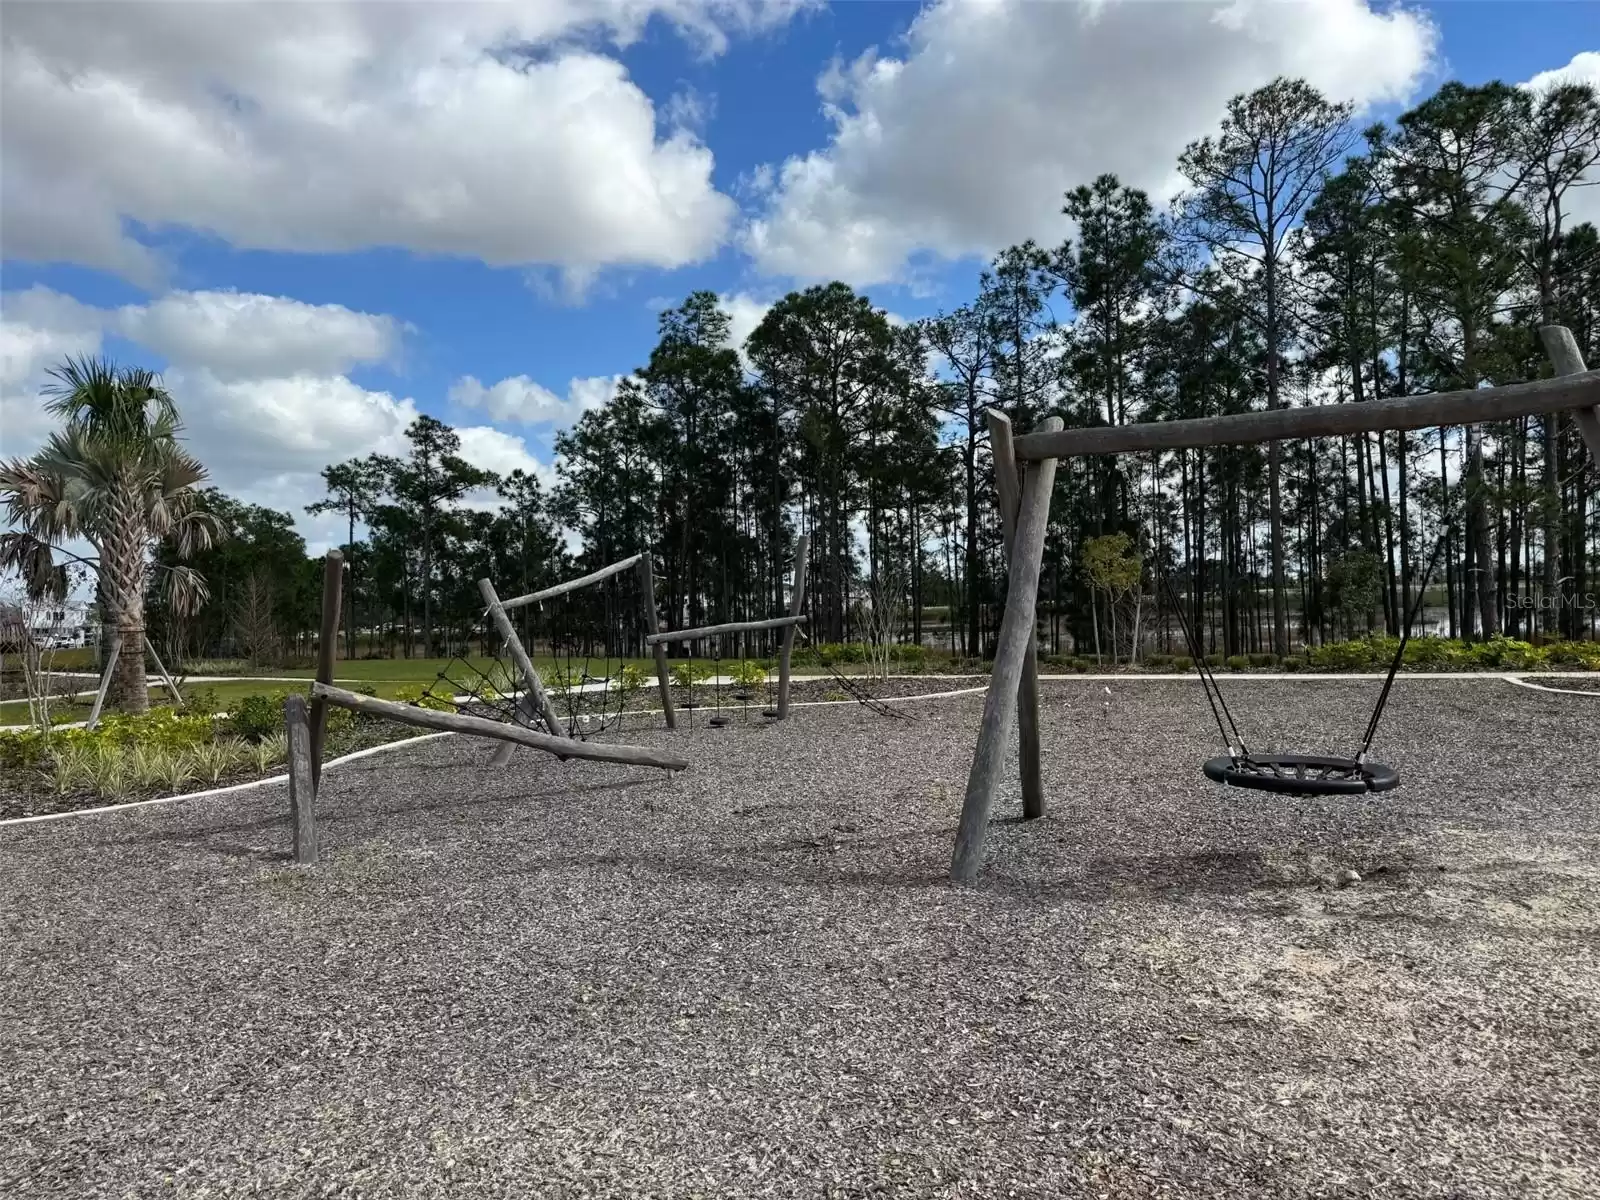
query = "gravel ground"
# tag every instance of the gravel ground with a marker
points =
(752, 979)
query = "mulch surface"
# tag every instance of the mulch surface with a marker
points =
(752, 979)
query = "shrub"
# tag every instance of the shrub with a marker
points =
(422, 698)
(1584, 655)
(1236, 662)
(686, 674)
(1158, 661)
(1263, 660)
(1182, 662)
(1214, 661)
(23, 749)
(254, 718)
(748, 674)
(631, 679)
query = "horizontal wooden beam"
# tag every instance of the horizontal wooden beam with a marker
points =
(1475, 407)
(572, 585)
(689, 635)
(449, 722)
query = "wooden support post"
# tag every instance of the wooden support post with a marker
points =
(1000, 702)
(1563, 350)
(166, 679)
(530, 677)
(705, 631)
(571, 585)
(1009, 484)
(797, 599)
(105, 681)
(1477, 406)
(302, 780)
(652, 625)
(505, 750)
(449, 722)
(327, 652)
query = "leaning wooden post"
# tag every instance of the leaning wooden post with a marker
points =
(1563, 350)
(1011, 650)
(1009, 485)
(327, 650)
(652, 625)
(105, 681)
(802, 549)
(166, 679)
(530, 677)
(302, 780)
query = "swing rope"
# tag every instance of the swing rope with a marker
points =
(1412, 614)
(1208, 681)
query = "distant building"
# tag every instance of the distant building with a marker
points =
(69, 623)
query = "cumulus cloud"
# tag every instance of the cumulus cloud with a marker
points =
(1584, 68)
(246, 336)
(487, 130)
(1582, 203)
(263, 386)
(967, 142)
(520, 399)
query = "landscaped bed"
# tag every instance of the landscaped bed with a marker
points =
(752, 979)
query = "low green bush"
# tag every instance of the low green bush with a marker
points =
(749, 674)
(1182, 662)
(1236, 662)
(1263, 660)
(256, 717)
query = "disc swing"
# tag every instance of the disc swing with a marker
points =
(1300, 774)
(717, 720)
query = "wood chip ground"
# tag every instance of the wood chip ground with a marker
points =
(752, 980)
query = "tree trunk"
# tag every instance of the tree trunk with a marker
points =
(123, 565)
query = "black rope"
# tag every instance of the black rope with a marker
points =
(1208, 682)
(1400, 651)
(856, 692)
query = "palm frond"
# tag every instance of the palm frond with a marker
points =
(186, 591)
(34, 560)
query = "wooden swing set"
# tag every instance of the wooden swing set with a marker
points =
(1025, 468)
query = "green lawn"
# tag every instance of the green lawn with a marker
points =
(15, 712)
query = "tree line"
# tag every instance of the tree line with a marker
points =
(1306, 261)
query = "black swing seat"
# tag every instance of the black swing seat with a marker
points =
(1302, 774)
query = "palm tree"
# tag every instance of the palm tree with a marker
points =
(117, 477)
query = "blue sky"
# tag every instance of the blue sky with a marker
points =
(961, 143)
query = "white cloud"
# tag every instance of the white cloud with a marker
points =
(1584, 68)
(475, 129)
(243, 335)
(745, 312)
(967, 142)
(491, 449)
(262, 385)
(1582, 203)
(259, 380)
(518, 398)
(38, 328)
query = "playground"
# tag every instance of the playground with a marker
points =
(753, 977)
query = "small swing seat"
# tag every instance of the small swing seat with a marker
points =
(1302, 774)
(718, 722)
(742, 697)
(770, 714)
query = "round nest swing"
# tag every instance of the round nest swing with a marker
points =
(1302, 774)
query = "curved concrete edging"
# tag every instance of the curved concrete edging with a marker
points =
(644, 712)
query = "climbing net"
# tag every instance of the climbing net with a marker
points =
(499, 693)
